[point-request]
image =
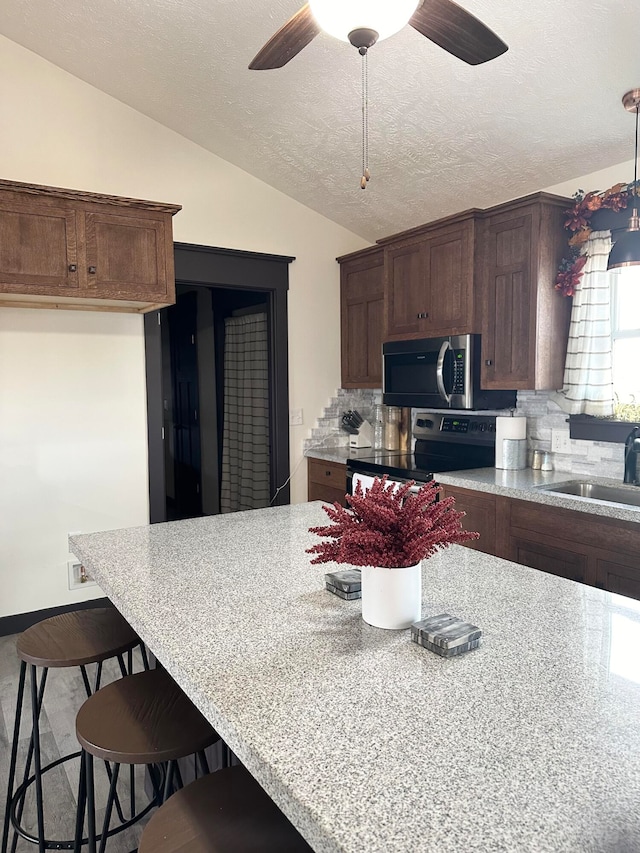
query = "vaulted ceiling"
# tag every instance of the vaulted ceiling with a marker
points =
(444, 136)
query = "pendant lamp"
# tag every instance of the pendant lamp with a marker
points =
(626, 249)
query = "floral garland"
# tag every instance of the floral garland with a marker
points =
(577, 224)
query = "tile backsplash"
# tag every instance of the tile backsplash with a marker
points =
(327, 432)
(596, 458)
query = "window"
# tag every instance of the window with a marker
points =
(625, 333)
(625, 329)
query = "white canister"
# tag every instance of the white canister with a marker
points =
(511, 443)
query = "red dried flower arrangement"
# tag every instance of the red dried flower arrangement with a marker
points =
(579, 216)
(389, 526)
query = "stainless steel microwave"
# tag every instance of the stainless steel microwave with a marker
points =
(438, 373)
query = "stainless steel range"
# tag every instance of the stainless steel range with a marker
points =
(443, 443)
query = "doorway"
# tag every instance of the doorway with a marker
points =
(218, 436)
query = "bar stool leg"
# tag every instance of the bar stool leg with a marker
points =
(82, 805)
(91, 802)
(87, 687)
(35, 709)
(203, 762)
(109, 808)
(132, 788)
(14, 755)
(168, 780)
(27, 767)
(145, 659)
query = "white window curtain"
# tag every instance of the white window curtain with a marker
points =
(245, 440)
(588, 379)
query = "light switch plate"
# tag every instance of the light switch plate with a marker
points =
(295, 417)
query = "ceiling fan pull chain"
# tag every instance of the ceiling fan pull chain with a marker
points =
(365, 120)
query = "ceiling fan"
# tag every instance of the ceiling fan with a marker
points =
(363, 23)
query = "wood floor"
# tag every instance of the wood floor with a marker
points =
(63, 696)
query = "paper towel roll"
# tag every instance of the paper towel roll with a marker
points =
(509, 428)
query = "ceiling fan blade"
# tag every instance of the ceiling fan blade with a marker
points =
(298, 31)
(457, 31)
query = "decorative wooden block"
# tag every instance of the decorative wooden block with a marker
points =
(446, 635)
(346, 584)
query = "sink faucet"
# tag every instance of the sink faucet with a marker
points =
(631, 450)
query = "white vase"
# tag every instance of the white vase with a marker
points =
(391, 598)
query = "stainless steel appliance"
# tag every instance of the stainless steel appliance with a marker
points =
(438, 373)
(443, 443)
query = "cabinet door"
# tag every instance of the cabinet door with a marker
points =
(429, 283)
(362, 310)
(450, 282)
(618, 574)
(565, 559)
(127, 257)
(509, 316)
(407, 297)
(480, 517)
(38, 247)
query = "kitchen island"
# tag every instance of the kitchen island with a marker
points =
(368, 742)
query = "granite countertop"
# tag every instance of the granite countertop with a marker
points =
(526, 485)
(368, 742)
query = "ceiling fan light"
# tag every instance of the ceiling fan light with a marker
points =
(340, 17)
(626, 249)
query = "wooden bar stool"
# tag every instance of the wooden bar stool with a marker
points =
(225, 812)
(141, 719)
(78, 638)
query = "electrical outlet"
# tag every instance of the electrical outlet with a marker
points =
(78, 577)
(560, 441)
(295, 417)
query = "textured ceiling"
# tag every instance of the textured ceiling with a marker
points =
(444, 136)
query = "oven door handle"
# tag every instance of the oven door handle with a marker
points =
(440, 371)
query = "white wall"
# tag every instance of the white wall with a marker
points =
(73, 448)
(62, 132)
(622, 173)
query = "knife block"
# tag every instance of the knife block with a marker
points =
(364, 438)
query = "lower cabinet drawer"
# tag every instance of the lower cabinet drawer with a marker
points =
(328, 494)
(327, 481)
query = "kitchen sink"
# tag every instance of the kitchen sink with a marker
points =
(595, 491)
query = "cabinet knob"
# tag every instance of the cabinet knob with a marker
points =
(327, 473)
(423, 315)
(73, 267)
(488, 362)
(92, 270)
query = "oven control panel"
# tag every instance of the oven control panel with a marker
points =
(478, 429)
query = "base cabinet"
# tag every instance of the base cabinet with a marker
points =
(548, 556)
(594, 550)
(327, 481)
(480, 516)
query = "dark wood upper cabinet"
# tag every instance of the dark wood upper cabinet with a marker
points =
(489, 272)
(127, 254)
(38, 247)
(429, 274)
(361, 318)
(68, 249)
(525, 322)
